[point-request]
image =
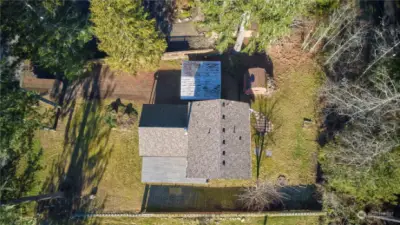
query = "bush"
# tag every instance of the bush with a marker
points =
(121, 116)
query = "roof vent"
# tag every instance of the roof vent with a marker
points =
(223, 104)
(223, 162)
(223, 130)
(240, 137)
(223, 141)
(223, 152)
(223, 116)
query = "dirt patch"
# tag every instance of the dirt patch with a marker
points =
(108, 84)
(287, 56)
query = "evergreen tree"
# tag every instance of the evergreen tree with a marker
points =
(127, 35)
(19, 119)
(53, 34)
(272, 17)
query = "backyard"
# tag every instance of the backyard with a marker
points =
(89, 157)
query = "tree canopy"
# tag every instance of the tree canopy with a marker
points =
(272, 17)
(127, 35)
(52, 34)
(19, 119)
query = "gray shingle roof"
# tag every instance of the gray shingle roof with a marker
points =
(161, 141)
(204, 139)
(219, 140)
(166, 170)
(162, 130)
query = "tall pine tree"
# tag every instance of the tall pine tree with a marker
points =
(127, 35)
(53, 34)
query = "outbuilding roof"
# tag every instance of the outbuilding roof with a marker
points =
(256, 77)
(201, 80)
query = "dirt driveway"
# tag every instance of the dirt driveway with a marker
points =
(108, 84)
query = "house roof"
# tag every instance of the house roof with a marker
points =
(215, 143)
(219, 140)
(255, 77)
(201, 80)
(162, 141)
(162, 130)
(166, 170)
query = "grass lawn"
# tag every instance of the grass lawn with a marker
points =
(92, 157)
(221, 221)
(294, 149)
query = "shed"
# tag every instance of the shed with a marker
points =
(255, 81)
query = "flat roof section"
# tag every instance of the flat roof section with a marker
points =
(201, 80)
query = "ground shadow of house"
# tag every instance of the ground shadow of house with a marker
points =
(160, 198)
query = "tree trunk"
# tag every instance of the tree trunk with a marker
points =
(35, 198)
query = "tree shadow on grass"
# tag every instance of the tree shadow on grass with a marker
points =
(80, 167)
(66, 92)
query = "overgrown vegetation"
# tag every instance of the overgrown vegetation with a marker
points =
(127, 35)
(19, 119)
(360, 157)
(273, 19)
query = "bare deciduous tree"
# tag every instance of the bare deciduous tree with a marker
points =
(261, 196)
(339, 21)
(361, 101)
(373, 110)
(386, 40)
